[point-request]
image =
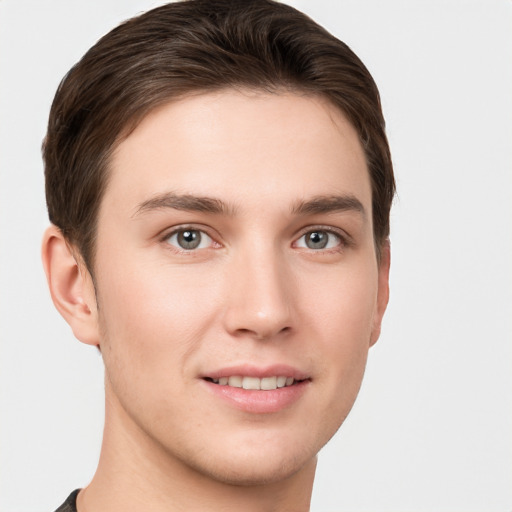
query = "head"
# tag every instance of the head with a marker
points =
(219, 180)
(189, 48)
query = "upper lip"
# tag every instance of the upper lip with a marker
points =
(248, 370)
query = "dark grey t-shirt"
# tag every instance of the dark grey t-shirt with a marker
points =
(70, 504)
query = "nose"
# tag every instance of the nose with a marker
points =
(260, 296)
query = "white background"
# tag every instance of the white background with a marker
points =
(432, 428)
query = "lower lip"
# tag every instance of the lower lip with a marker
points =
(257, 401)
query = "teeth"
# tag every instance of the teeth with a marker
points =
(281, 382)
(266, 383)
(251, 383)
(235, 382)
(269, 383)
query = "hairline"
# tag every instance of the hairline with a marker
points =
(137, 118)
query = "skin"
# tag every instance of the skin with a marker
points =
(253, 293)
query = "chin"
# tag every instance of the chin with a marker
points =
(258, 472)
(256, 462)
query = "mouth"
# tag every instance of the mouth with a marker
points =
(255, 383)
(258, 390)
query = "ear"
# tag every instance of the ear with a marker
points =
(382, 292)
(71, 287)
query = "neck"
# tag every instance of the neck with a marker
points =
(136, 473)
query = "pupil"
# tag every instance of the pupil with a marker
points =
(316, 240)
(189, 239)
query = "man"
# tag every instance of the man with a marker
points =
(219, 184)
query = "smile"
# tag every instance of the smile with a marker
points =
(258, 390)
(264, 383)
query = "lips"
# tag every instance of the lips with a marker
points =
(258, 390)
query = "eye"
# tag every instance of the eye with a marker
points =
(188, 239)
(319, 239)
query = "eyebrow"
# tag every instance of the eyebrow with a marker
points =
(329, 204)
(185, 202)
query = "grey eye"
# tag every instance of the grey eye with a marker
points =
(319, 239)
(190, 239)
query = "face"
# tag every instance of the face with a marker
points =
(237, 282)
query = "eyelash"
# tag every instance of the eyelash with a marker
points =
(343, 239)
(183, 229)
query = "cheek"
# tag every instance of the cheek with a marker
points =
(343, 313)
(343, 305)
(152, 322)
(152, 317)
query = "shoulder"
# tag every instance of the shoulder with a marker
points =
(70, 504)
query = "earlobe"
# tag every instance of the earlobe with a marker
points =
(383, 291)
(71, 287)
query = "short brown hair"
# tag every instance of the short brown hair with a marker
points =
(197, 46)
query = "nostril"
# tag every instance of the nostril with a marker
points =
(264, 334)
(261, 314)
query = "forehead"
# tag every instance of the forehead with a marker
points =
(245, 146)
